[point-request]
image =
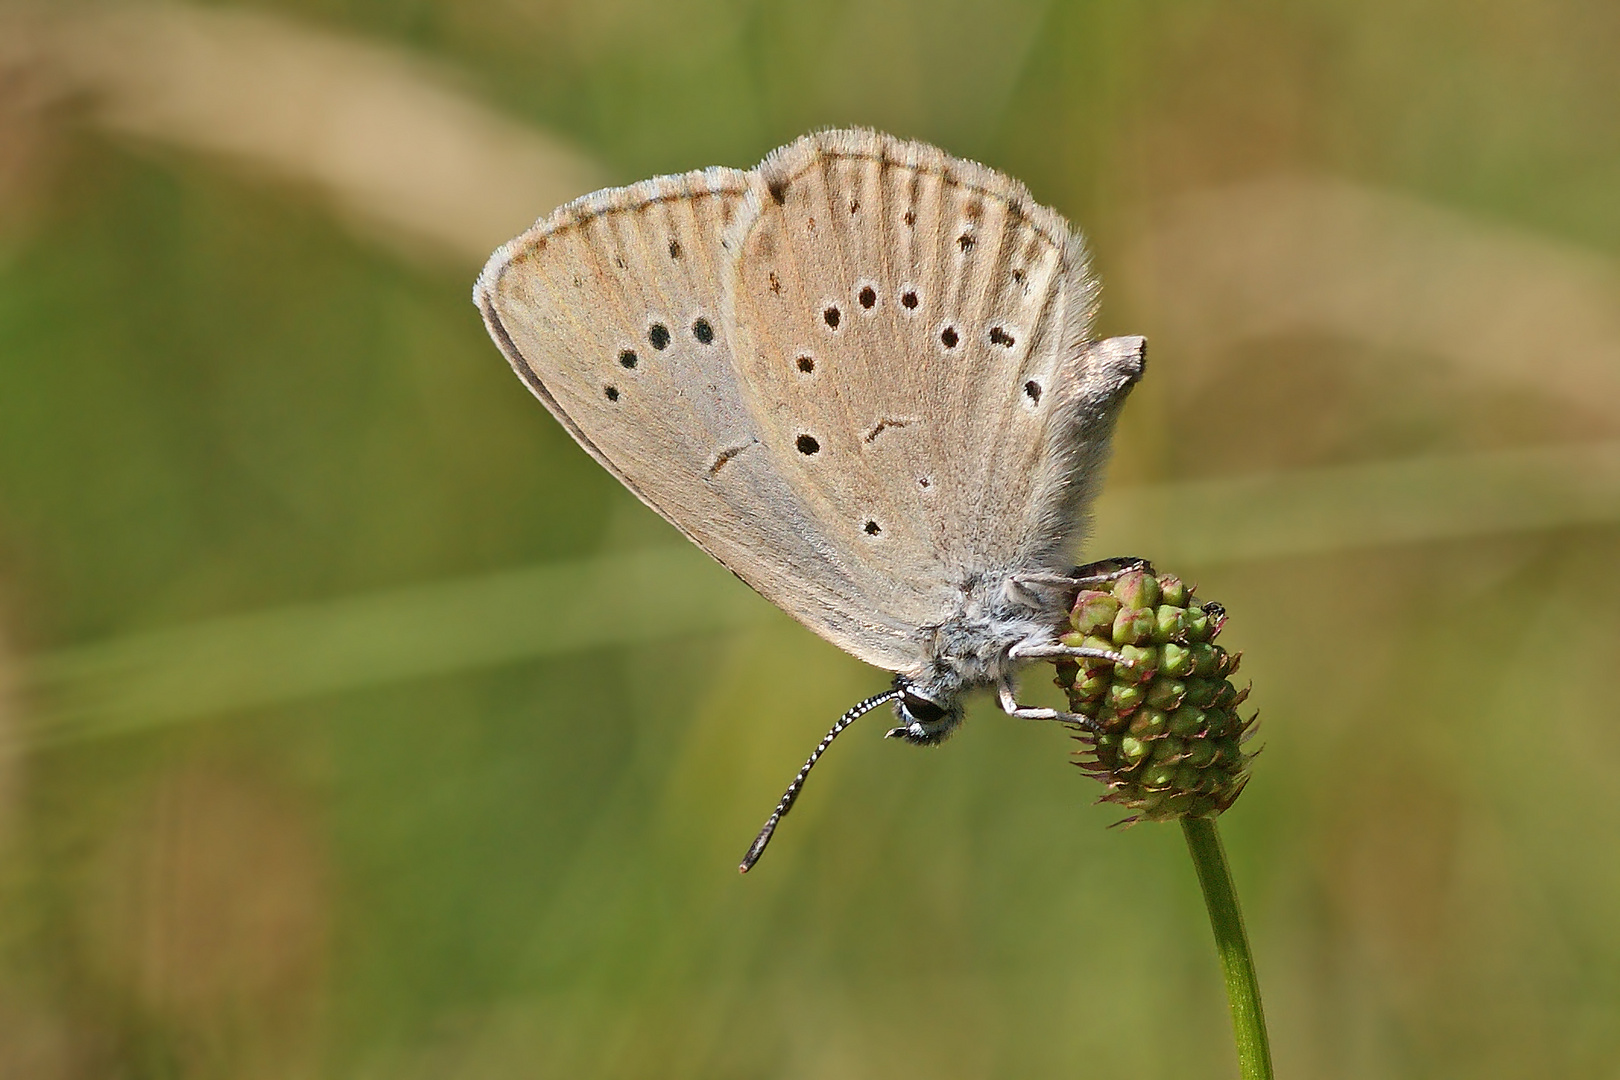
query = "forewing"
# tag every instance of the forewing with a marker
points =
(615, 311)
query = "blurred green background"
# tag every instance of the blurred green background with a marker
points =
(356, 724)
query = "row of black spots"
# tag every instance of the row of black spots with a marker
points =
(866, 297)
(833, 316)
(950, 337)
(658, 336)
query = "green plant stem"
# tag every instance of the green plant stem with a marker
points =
(1237, 962)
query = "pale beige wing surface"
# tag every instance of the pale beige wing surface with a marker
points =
(914, 326)
(614, 311)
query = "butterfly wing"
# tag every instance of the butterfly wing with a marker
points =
(614, 311)
(924, 324)
(858, 376)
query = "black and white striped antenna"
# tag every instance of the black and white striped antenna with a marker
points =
(757, 848)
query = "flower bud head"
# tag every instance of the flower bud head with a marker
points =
(1171, 738)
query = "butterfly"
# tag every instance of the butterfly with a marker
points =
(859, 375)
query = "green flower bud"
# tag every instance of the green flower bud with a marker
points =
(1090, 685)
(1201, 753)
(1189, 778)
(1141, 662)
(1221, 723)
(1123, 698)
(1094, 612)
(1132, 749)
(1133, 626)
(1169, 623)
(1137, 589)
(1197, 625)
(1173, 591)
(1149, 722)
(1166, 694)
(1159, 776)
(1206, 658)
(1187, 720)
(1168, 747)
(1175, 660)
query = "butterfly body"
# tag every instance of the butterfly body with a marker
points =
(860, 375)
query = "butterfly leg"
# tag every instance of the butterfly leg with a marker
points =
(1053, 651)
(1103, 571)
(1023, 586)
(1010, 706)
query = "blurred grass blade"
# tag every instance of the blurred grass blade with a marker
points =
(306, 650)
(1309, 511)
(1291, 254)
(620, 599)
(391, 141)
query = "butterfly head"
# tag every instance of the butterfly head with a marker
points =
(926, 714)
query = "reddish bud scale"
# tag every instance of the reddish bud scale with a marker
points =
(1172, 741)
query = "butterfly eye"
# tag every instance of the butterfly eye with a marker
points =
(920, 708)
